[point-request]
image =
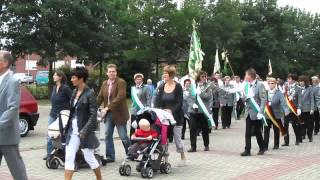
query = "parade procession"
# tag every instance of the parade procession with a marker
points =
(182, 89)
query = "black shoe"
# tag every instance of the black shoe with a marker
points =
(310, 140)
(276, 147)
(316, 133)
(223, 127)
(285, 144)
(297, 143)
(45, 157)
(266, 149)
(245, 153)
(228, 127)
(261, 152)
(206, 148)
(192, 150)
(109, 160)
(182, 137)
(216, 128)
(303, 137)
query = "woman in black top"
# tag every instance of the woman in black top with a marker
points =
(60, 100)
(170, 98)
(80, 129)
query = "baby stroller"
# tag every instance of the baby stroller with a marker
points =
(57, 156)
(155, 156)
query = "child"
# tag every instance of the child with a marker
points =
(144, 131)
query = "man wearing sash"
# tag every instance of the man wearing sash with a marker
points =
(291, 94)
(274, 110)
(254, 94)
(141, 97)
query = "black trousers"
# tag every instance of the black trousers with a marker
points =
(316, 118)
(226, 112)
(170, 133)
(295, 125)
(267, 134)
(308, 124)
(198, 121)
(253, 127)
(239, 108)
(184, 126)
(215, 116)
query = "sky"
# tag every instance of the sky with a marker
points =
(309, 5)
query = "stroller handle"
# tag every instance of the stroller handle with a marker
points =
(144, 139)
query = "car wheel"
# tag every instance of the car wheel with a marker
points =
(24, 126)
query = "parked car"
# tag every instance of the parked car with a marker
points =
(28, 112)
(42, 78)
(24, 77)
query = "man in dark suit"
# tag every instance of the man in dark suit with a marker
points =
(256, 91)
(9, 118)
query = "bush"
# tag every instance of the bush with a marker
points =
(38, 92)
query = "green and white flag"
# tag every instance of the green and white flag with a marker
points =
(216, 63)
(196, 54)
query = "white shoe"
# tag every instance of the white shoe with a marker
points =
(182, 163)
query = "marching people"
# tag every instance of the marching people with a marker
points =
(9, 118)
(240, 105)
(316, 96)
(198, 120)
(80, 129)
(306, 107)
(170, 98)
(113, 98)
(143, 94)
(254, 95)
(60, 100)
(278, 108)
(227, 101)
(215, 103)
(291, 96)
(185, 106)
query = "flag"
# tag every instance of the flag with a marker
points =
(216, 63)
(195, 54)
(270, 68)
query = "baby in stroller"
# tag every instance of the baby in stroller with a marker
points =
(146, 134)
(150, 142)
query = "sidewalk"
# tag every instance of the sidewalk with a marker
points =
(223, 161)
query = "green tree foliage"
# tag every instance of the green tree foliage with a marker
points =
(140, 35)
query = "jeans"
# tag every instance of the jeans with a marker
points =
(122, 131)
(49, 141)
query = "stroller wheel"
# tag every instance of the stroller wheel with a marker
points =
(144, 172)
(162, 167)
(167, 168)
(127, 170)
(149, 172)
(121, 170)
(52, 163)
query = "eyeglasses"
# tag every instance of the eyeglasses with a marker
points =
(203, 76)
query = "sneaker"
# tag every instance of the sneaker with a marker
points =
(245, 153)
(182, 163)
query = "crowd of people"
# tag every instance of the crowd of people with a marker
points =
(272, 103)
